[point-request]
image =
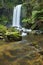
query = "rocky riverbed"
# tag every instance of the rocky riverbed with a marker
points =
(25, 52)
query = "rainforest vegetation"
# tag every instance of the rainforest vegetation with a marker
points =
(32, 19)
(14, 48)
(33, 12)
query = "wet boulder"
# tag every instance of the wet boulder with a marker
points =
(13, 36)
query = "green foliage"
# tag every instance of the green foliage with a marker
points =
(27, 20)
(37, 18)
(37, 15)
(3, 28)
(34, 15)
(31, 10)
(4, 19)
(27, 23)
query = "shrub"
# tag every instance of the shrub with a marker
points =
(3, 28)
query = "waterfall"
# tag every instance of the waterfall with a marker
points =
(16, 20)
(16, 16)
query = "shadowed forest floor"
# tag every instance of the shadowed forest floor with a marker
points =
(21, 53)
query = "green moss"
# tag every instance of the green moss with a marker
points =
(12, 36)
(3, 28)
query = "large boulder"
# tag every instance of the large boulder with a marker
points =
(13, 36)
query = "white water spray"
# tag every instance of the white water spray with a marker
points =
(16, 16)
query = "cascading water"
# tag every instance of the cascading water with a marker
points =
(16, 20)
(16, 16)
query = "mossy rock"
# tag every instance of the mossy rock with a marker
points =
(13, 36)
(1, 37)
